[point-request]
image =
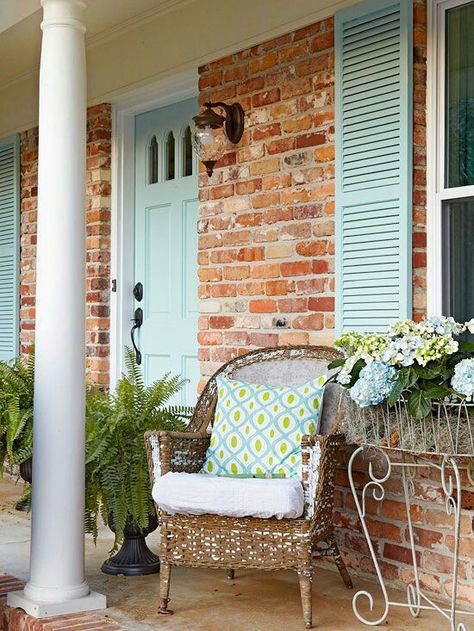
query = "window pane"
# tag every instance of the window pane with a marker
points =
(460, 96)
(170, 157)
(187, 153)
(153, 161)
(458, 263)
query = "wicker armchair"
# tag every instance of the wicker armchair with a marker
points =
(268, 544)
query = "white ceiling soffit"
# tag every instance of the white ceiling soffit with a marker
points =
(20, 33)
(100, 14)
(13, 11)
(107, 19)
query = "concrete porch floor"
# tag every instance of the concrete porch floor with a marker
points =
(204, 600)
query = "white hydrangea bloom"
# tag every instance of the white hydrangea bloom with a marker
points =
(470, 326)
(441, 326)
(402, 351)
(463, 378)
(344, 375)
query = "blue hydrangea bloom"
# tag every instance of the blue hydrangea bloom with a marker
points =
(374, 385)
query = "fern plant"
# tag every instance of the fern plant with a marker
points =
(117, 482)
(16, 409)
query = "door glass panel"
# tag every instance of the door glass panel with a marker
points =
(459, 162)
(170, 156)
(153, 161)
(458, 259)
(187, 153)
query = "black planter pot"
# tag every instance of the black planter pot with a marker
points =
(134, 557)
(26, 473)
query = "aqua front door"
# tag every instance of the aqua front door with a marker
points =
(166, 209)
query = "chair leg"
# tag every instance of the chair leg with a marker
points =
(306, 585)
(231, 575)
(165, 575)
(341, 566)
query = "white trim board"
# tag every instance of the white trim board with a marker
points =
(435, 144)
(164, 92)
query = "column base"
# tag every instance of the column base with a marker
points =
(92, 602)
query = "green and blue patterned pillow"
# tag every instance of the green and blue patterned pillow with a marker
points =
(257, 429)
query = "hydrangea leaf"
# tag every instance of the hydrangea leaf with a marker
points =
(408, 377)
(419, 405)
(397, 390)
(336, 363)
(434, 391)
(360, 363)
(429, 372)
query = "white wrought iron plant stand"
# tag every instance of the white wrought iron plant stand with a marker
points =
(408, 463)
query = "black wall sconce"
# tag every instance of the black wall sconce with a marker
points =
(212, 130)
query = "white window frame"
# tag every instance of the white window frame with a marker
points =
(437, 193)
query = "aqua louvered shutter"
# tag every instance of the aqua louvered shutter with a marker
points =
(9, 220)
(373, 164)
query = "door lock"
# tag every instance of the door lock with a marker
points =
(138, 292)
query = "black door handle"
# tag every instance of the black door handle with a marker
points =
(137, 322)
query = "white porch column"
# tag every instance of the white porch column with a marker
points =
(57, 582)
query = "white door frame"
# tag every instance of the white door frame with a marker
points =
(166, 91)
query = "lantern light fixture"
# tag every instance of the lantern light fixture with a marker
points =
(211, 131)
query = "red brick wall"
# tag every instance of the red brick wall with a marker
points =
(98, 240)
(266, 230)
(98, 243)
(419, 159)
(266, 262)
(28, 216)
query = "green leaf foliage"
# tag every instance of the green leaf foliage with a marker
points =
(419, 404)
(430, 371)
(16, 409)
(336, 363)
(396, 392)
(117, 481)
(435, 391)
(408, 377)
(466, 347)
(360, 363)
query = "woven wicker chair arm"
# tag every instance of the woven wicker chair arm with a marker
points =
(319, 456)
(184, 435)
(175, 451)
(314, 439)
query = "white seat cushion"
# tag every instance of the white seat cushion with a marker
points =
(198, 494)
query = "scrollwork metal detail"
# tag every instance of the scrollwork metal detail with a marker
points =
(413, 589)
(451, 486)
(378, 493)
(451, 482)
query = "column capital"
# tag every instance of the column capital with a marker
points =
(63, 13)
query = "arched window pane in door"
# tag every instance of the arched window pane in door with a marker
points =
(153, 161)
(170, 152)
(187, 153)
